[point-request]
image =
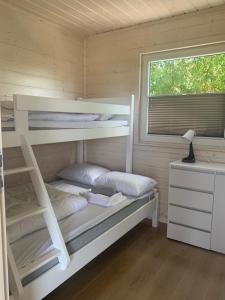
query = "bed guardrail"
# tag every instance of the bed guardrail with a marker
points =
(34, 103)
(23, 104)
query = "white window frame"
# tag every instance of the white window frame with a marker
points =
(145, 60)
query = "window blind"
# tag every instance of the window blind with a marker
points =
(174, 115)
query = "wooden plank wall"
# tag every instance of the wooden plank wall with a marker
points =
(39, 58)
(51, 159)
(112, 68)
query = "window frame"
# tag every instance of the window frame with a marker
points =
(145, 60)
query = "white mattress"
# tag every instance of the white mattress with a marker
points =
(36, 244)
(62, 124)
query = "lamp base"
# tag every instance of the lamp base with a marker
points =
(191, 157)
(188, 160)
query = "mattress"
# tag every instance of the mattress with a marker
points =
(78, 230)
(57, 120)
(34, 124)
(7, 113)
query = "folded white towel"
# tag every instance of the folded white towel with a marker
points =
(103, 200)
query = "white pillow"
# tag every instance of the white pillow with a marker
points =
(104, 117)
(128, 184)
(64, 117)
(83, 173)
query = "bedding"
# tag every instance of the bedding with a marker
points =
(106, 190)
(70, 187)
(102, 200)
(37, 124)
(64, 117)
(8, 114)
(78, 229)
(60, 120)
(104, 117)
(22, 198)
(128, 184)
(83, 173)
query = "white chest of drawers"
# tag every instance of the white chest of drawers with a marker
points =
(196, 205)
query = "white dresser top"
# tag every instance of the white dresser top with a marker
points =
(199, 166)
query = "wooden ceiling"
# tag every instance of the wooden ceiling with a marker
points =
(90, 17)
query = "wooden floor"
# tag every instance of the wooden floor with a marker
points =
(145, 265)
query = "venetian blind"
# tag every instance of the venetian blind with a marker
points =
(174, 115)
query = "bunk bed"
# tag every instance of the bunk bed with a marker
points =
(67, 252)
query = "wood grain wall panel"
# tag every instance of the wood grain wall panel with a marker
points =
(90, 17)
(39, 58)
(112, 68)
(115, 148)
(51, 159)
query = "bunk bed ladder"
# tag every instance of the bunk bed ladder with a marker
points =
(45, 208)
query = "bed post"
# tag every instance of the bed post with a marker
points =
(21, 117)
(80, 152)
(155, 214)
(129, 149)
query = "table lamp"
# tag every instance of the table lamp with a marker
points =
(189, 136)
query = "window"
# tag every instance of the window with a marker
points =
(184, 89)
(187, 76)
(169, 115)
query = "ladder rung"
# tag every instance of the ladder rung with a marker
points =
(29, 213)
(38, 263)
(17, 170)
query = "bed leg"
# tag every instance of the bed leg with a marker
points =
(155, 214)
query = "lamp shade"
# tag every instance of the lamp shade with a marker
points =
(189, 135)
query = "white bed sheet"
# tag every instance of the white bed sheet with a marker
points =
(38, 243)
(7, 113)
(73, 125)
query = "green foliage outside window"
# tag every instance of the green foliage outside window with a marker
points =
(183, 76)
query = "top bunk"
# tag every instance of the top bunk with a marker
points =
(48, 120)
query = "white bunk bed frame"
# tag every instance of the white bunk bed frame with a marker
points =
(24, 138)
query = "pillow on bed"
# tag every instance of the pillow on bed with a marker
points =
(104, 117)
(128, 184)
(83, 173)
(61, 117)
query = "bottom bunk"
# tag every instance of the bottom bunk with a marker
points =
(87, 233)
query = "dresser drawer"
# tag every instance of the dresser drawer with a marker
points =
(193, 218)
(191, 199)
(192, 180)
(188, 235)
